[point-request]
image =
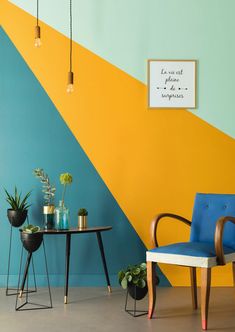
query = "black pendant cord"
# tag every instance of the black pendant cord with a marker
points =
(71, 36)
(37, 10)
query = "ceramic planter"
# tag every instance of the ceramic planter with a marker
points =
(17, 217)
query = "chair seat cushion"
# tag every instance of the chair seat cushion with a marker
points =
(197, 254)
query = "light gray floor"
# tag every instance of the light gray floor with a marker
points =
(93, 309)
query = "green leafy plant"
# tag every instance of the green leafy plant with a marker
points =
(134, 275)
(31, 229)
(16, 202)
(47, 188)
(82, 212)
(65, 179)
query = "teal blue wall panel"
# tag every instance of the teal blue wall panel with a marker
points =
(33, 134)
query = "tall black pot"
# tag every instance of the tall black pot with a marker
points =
(17, 217)
(31, 241)
(136, 292)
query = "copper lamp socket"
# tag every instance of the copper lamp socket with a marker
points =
(37, 32)
(70, 77)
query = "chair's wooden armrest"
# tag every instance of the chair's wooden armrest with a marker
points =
(156, 220)
(219, 230)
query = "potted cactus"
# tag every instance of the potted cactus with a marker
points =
(31, 237)
(17, 214)
(49, 193)
(82, 218)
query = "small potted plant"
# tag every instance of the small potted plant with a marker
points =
(61, 212)
(31, 237)
(134, 278)
(82, 218)
(49, 193)
(19, 207)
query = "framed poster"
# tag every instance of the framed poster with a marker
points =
(172, 83)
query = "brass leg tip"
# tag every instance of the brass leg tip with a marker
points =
(65, 300)
(109, 289)
(20, 294)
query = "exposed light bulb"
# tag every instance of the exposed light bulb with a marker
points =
(70, 86)
(37, 42)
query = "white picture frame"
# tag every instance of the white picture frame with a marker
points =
(172, 83)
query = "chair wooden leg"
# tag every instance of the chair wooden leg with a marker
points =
(205, 295)
(233, 266)
(193, 277)
(151, 279)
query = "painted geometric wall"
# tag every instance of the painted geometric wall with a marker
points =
(33, 134)
(128, 32)
(151, 161)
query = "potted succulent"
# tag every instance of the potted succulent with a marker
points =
(134, 278)
(61, 212)
(31, 237)
(19, 207)
(82, 218)
(49, 193)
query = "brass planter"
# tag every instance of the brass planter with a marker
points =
(82, 222)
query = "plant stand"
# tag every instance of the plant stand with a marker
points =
(9, 290)
(134, 312)
(20, 289)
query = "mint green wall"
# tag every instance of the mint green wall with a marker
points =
(128, 32)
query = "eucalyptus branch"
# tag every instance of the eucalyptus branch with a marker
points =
(48, 189)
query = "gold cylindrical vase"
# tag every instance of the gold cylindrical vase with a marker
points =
(48, 209)
(48, 213)
(82, 222)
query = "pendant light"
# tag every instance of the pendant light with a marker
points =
(37, 40)
(70, 87)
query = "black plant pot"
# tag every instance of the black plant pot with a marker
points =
(31, 242)
(137, 293)
(17, 217)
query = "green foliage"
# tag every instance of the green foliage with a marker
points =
(83, 212)
(66, 178)
(16, 202)
(47, 188)
(134, 274)
(31, 229)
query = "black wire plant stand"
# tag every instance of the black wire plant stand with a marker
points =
(27, 304)
(13, 290)
(134, 312)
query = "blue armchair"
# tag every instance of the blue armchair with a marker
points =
(212, 243)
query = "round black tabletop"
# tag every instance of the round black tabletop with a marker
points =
(76, 230)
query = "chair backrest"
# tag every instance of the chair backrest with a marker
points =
(208, 208)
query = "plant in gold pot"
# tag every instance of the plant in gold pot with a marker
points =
(49, 193)
(17, 214)
(82, 218)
